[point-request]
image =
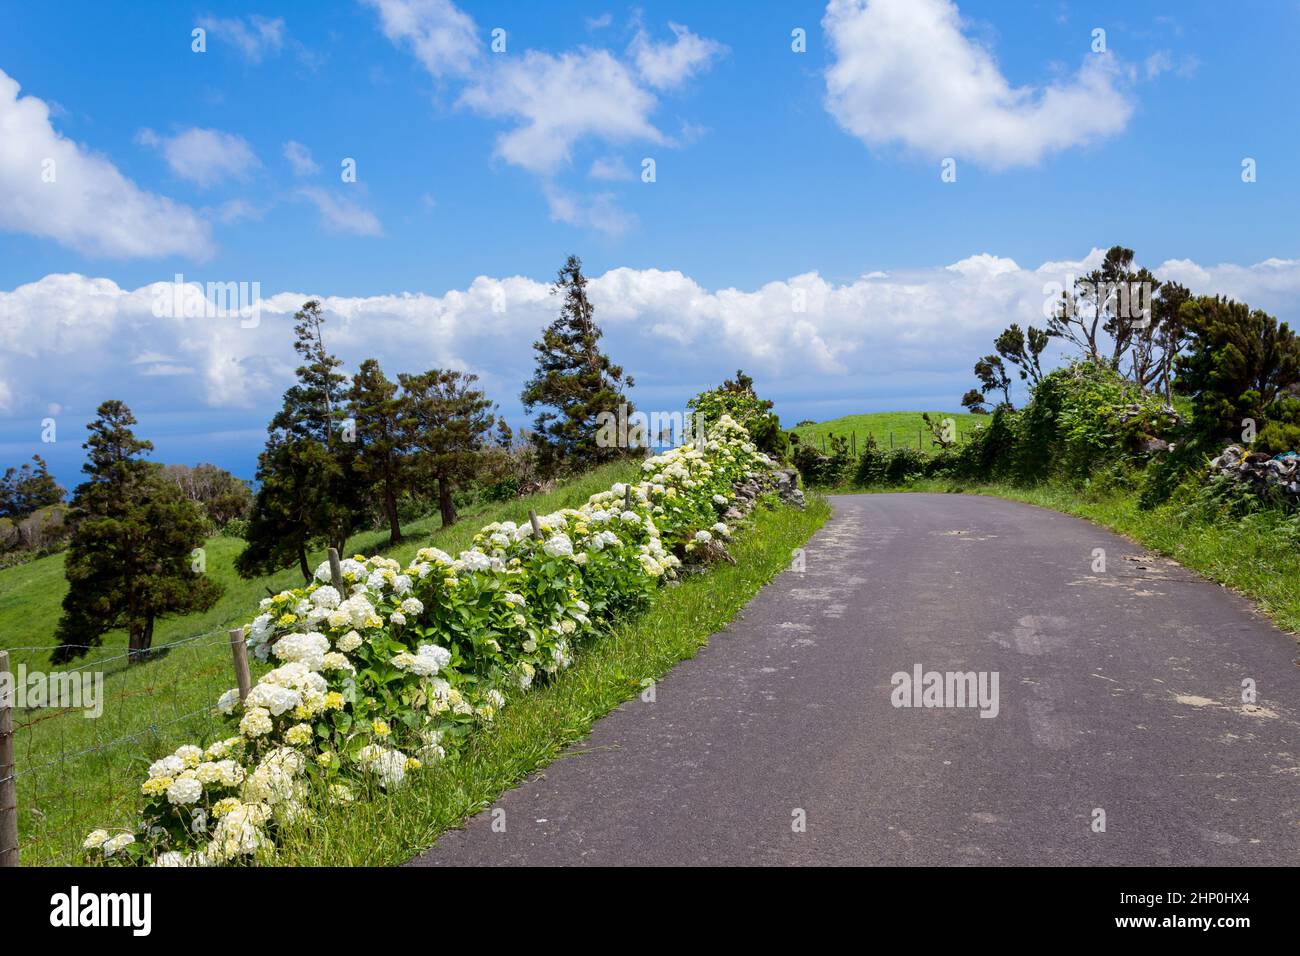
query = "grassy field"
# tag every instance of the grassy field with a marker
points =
(389, 829)
(907, 428)
(1257, 556)
(76, 773)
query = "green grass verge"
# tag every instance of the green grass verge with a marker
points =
(388, 829)
(1257, 556)
(76, 773)
(905, 427)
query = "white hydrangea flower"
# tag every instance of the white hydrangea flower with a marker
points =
(256, 722)
(412, 606)
(308, 649)
(473, 560)
(94, 839)
(239, 833)
(119, 842)
(427, 661)
(349, 642)
(397, 618)
(272, 698)
(434, 554)
(168, 766)
(334, 661)
(359, 609)
(184, 791)
(326, 597)
(703, 537)
(558, 546)
(389, 766)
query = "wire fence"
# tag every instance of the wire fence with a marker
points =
(83, 735)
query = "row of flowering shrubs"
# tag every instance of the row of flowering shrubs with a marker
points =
(385, 676)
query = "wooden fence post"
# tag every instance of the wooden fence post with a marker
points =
(336, 570)
(627, 498)
(532, 519)
(891, 441)
(8, 784)
(239, 650)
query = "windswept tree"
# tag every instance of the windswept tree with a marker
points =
(381, 459)
(992, 373)
(26, 490)
(130, 558)
(447, 424)
(1024, 350)
(1125, 317)
(574, 382)
(308, 487)
(974, 401)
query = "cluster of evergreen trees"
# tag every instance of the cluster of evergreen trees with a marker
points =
(341, 452)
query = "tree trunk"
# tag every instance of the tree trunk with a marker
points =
(302, 564)
(445, 507)
(140, 640)
(390, 506)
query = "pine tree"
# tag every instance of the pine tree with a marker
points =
(381, 452)
(129, 561)
(309, 488)
(447, 423)
(574, 382)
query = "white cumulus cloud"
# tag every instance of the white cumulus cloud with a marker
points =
(72, 340)
(61, 190)
(440, 35)
(204, 157)
(669, 65)
(903, 72)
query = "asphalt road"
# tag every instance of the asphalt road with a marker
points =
(1119, 691)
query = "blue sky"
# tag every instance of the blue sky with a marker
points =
(774, 171)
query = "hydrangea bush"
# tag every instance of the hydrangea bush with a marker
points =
(386, 675)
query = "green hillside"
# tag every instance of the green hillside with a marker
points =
(76, 773)
(904, 427)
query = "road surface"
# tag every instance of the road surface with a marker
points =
(1119, 692)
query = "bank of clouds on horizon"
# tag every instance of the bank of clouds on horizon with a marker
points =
(68, 341)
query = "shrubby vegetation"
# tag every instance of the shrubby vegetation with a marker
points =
(1142, 408)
